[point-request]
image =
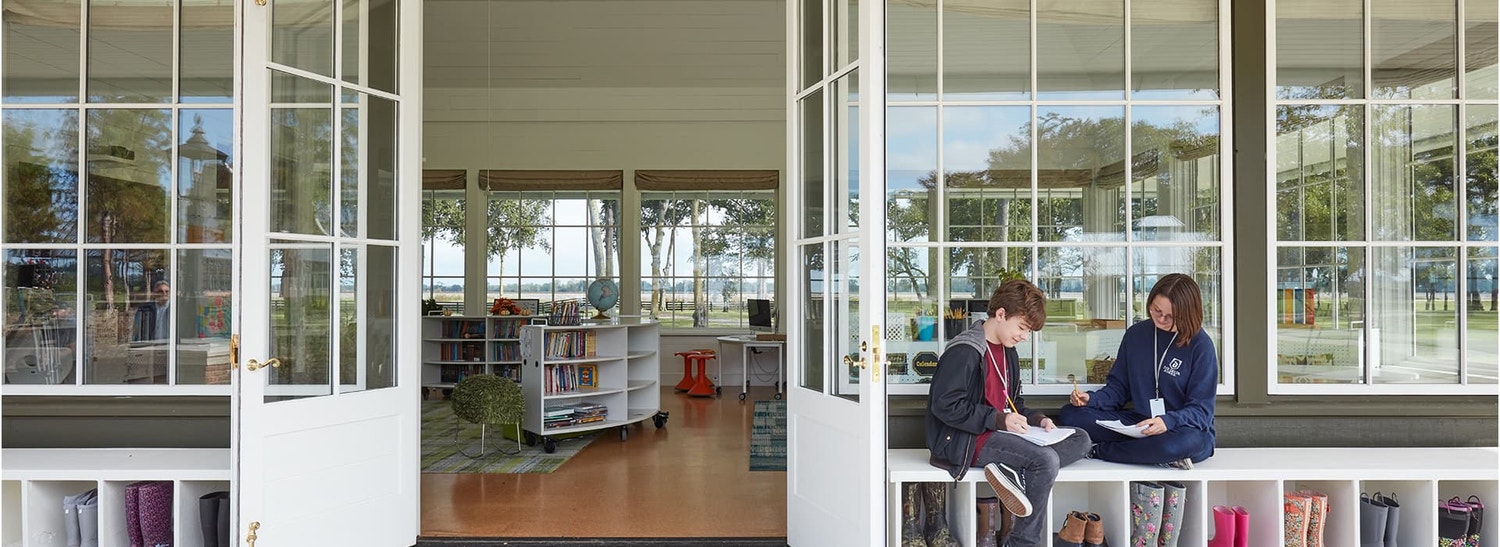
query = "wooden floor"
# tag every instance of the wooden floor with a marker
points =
(689, 479)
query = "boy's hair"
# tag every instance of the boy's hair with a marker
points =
(1018, 297)
(1187, 304)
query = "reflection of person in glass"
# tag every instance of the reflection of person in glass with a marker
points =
(1168, 370)
(152, 318)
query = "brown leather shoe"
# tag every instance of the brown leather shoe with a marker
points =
(1072, 531)
(1093, 531)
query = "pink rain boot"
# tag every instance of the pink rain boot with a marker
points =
(1224, 531)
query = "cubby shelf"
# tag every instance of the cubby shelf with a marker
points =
(622, 352)
(460, 345)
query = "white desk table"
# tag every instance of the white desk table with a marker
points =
(748, 343)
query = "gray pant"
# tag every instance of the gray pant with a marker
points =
(1038, 465)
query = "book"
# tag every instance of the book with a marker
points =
(1041, 437)
(588, 376)
(1119, 427)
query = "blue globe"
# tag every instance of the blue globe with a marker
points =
(603, 294)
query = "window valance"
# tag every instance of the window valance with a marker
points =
(519, 180)
(715, 179)
(444, 179)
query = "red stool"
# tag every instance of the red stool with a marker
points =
(703, 387)
(687, 369)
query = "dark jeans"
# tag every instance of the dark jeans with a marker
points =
(1038, 466)
(1175, 444)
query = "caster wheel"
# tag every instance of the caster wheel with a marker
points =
(660, 421)
(777, 396)
(624, 433)
(530, 438)
(742, 395)
(549, 446)
(719, 390)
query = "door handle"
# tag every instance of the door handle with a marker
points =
(253, 365)
(864, 345)
(250, 539)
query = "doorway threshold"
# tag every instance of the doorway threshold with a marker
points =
(601, 542)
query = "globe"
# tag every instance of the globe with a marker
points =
(603, 294)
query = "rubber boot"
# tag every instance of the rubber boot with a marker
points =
(1093, 531)
(1392, 518)
(1372, 515)
(985, 528)
(1171, 513)
(70, 519)
(133, 514)
(1476, 519)
(1005, 520)
(1223, 527)
(1317, 516)
(1071, 534)
(1295, 510)
(911, 516)
(935, 509)
(88, 523)
(208, 519)
(1453, 523)
(1241, 526)
(1145, 512)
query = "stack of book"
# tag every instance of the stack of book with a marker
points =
(573, 414)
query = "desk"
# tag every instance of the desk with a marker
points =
(746, 343)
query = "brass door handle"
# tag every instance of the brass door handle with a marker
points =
(250, 539)
(850, 361)
(253, 365)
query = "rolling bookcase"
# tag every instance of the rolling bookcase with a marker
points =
(457, 346)
(621, 356)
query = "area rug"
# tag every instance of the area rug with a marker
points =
(440, 449)
(768, 437)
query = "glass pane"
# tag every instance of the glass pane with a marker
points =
(129, 176)
(40, 57)
(1204, 264)
(205, 176)
(302, 151)
(1481, 47)
(845, 129)
(844, 304)
(974, 272)
(1080, 173)
(1320, 315)
(1482, 304)
(206, 52)
(813, 199)
(1320, 49)
(302, 35)
(370, 39)
(1482, 172)
(131, 62)
(350, 376)
(1411, 343)
(1411, 173)
(1086, 306)
(1320, 173)
(1174, 50)
(1402, 67)
(1080, 49)
(987, 54)
(1175, 174)
(812, 41)
(379, 324)
(911, 172)
(911, 51)
(987, 172)
(204, 281)
(812, 280)
(41, 326)
(41, 175)
(352, 155)
(845, 29)
(130, 317)
(380, 147)
(301, 321)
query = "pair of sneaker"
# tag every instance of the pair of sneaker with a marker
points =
(1010, 487)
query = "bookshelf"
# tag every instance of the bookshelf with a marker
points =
(455, 346)
(619, 356)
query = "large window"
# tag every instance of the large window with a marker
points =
(549, 245)
(443, 247)
(704, 253)
(1385, 196)
(1077, 145)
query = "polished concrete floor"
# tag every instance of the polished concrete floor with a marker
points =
(688, 479)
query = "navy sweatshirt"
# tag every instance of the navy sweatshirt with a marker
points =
(1189, 377)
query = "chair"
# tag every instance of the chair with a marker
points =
(486, 399)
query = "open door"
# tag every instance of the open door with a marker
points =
(836, 402)
(326, 401)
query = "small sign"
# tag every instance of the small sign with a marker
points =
(925, 362)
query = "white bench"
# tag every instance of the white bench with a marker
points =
(1254, 478)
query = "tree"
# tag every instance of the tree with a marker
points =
(659, 220)
(513, 224)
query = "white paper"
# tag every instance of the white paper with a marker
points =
(1120, 427)
(1041, 437)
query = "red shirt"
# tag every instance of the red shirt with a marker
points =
(996, 387)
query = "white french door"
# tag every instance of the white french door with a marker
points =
(326, 401)
(836, 402)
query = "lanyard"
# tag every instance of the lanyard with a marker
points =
(1004, 383)
(1156, 380)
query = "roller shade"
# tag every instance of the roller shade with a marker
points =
(516, 180)
(720, 179)
(444, 179)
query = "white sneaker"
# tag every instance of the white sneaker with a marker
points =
(1007, 485)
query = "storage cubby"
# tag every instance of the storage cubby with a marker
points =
(1489, 495)
(455, 346)
(188, 528)
(621, 355)
(1418, 499)
(45, 522)
(10, 513)
(1108, 499)
(1260, 498)
(1342, 525)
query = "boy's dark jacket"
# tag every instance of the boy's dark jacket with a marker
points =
(956, 410)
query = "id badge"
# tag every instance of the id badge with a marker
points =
(1158, 407)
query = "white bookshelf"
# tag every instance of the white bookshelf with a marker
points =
(622, 351)
(455, 345)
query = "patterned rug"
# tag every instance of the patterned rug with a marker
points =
(440, 450)
(768, 437)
